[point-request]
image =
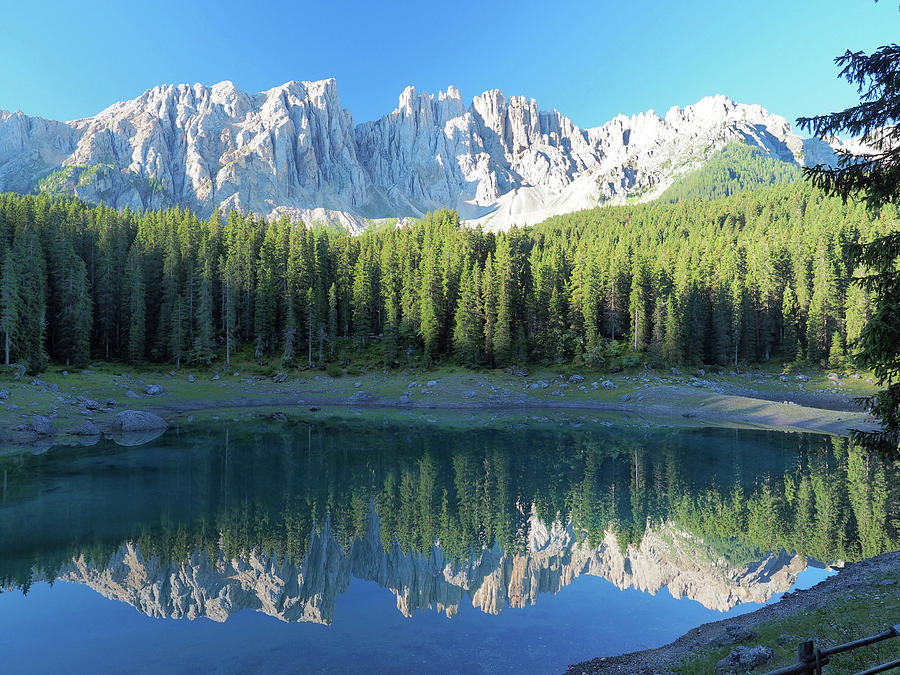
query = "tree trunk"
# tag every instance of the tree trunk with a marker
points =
(635, 329)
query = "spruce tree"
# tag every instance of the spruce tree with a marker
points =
(857, 311)
(228, 270)
(390, 300)
(178, 331)
(721, 319)
(790, 347)
(106, 285)
(168, 296)
(821, 322)
(489, 298)
(332, 316)
(73, 312)
(202, 350)
(363, 299)
(266, 294)
(32, 318)
(671, 344)
(9, 304)
(290, 333)
(468, 330)
(638, 302)
(875, 177)
(503, 329)
(134, 290)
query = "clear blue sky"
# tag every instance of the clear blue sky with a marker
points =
(590, 59)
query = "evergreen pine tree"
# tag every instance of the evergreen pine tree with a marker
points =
(201, 351)
(310, 322)
(790, 347)
(9, 304)
(430, 299)
(876, 178)
(489, 298)
(468, 331)
(332, 316)
(671, 346)
(290, 333)
(73, 312)
(32, 324)
(857, 311)
(177, 334)
(134, 289)
(503, 329)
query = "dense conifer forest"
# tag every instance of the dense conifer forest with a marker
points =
(737, 167)
(759, 275)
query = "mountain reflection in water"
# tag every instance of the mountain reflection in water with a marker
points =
(280, 518)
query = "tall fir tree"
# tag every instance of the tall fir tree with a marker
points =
(135, 296)
(73, 312)
(32, 286)
(202, 349)
(468, 331)
(790, 346)
(875, 177)
(9, 304)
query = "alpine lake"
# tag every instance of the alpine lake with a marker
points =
(346, 544)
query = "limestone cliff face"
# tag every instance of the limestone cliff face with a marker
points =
(31, 147)
(490, 581)
(294, 150)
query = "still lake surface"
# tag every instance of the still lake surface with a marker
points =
(340, 545)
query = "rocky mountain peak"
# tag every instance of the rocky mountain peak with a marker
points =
(294, 150)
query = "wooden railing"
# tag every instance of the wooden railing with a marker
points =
(811, 660)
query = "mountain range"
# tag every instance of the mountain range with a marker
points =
(295, 150)
(490, 580)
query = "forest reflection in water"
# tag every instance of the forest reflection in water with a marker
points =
(279, 518)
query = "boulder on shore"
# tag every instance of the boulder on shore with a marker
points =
(89, 403)
(138, 420)
(87, 428)
(42, 425)
(744, 659)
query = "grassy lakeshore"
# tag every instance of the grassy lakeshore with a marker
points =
(813, 400)
(862, 599)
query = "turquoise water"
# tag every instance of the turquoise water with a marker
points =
(263, 547)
